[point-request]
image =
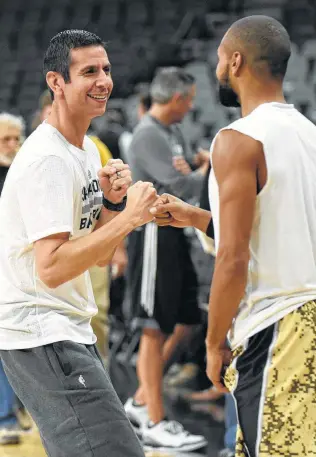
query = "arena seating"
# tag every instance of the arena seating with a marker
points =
(143, 35)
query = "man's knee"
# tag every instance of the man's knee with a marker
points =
(153, 336)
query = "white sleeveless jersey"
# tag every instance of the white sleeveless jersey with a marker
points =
(282, 267)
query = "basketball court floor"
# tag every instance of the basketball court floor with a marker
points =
(31, 447)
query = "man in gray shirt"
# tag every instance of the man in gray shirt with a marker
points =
(161, 278)
(152, 153)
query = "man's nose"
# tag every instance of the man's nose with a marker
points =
(13, 144)
(105, 81)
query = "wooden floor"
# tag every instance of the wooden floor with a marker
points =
(31, 447)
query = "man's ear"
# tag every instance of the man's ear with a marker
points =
(237, 63)
(55, 82)
(176, 98)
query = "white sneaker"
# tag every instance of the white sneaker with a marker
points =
(170, 436)
(186, 373)
(10, 435)
(137, 415)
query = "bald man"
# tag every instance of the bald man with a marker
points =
(263, 201)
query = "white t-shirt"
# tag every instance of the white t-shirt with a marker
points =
(51, 187)
(282, 267)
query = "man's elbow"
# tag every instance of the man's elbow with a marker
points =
(50, 278)
(235, 260)
(103, 263)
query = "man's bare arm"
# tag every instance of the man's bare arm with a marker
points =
(59, 259)
(170, 210)
(236, 158)
(105, 217)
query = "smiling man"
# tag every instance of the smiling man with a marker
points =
(60, 215)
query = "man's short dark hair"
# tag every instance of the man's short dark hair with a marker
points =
(57, 55)
(265, 42)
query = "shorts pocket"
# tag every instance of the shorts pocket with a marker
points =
(62, 358)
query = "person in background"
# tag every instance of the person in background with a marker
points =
(163, 293)
(11, 137)
(115, 122)
(144, 105)
(44, 109)
(102, 277)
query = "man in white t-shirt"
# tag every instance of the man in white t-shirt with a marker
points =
(60, 215)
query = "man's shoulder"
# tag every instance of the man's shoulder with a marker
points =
(38, 149)
(41, 142)
(147, 124)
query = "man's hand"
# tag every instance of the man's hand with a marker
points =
(181, 165)
(217, 360)
(119, 261)
(202, 157)
(115, 178)
(170, 210)
(140, 198)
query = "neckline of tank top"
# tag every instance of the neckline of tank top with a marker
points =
(277, 105)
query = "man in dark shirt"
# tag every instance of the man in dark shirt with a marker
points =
(161, 278)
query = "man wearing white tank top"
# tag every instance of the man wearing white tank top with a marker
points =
(263, 199)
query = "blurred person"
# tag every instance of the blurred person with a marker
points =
(101, 277)
(144, 104)
(200, 159)
(45, 105)
(163, 292)
(104, 152)
(263, 201)
(63, 214)
(44, 108)
(11, 137)
(114, 125)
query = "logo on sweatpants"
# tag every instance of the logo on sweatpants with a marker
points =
(82, 380)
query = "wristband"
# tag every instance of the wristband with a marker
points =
(114, 206)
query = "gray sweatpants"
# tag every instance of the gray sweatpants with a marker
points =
(67, 391)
